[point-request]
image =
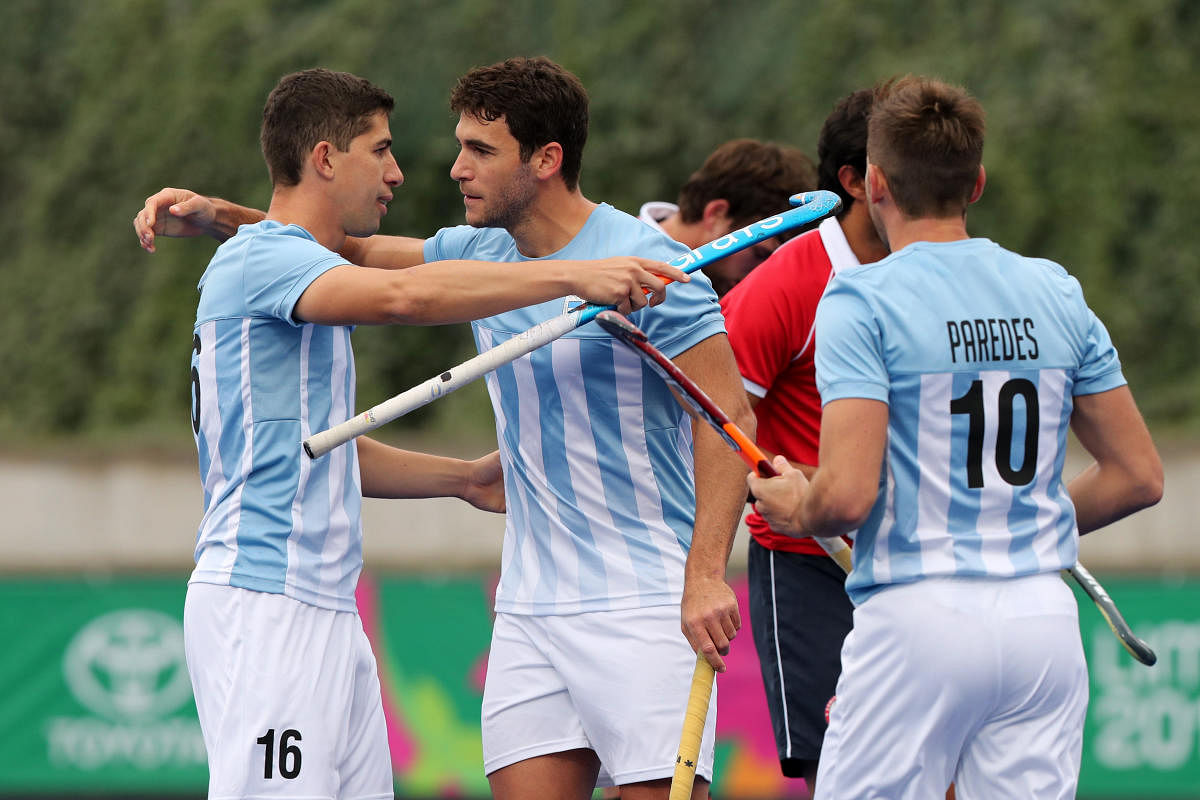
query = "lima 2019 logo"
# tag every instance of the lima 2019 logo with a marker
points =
(127, 668)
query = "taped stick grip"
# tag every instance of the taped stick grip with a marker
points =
(838, 550)
(693, 730)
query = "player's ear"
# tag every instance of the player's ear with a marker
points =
(321, 159)
(852, 182)
(547, 160)
(980, 180)
(876, 184)
(715, 218)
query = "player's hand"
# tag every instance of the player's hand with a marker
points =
(778, 499)
(627, 282)
(710, 618)
(485, 483)
(173, 212)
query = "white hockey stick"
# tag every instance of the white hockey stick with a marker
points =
(810, 207)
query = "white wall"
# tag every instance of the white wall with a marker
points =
(90, 514)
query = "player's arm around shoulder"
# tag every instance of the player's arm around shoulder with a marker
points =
(709, 613)
(1127, 474)
(384, 252)
(183, 213)
(392, 472)
(460, 291)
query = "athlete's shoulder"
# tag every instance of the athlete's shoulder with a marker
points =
(269, 239)
(261, 241)
(272, 233)
(613, 232)
(609, 217)
(1047, 275)
(469, 242)
(1051, 269)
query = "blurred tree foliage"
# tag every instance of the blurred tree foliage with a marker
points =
(1092, 147)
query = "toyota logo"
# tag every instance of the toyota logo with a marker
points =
(129, 665)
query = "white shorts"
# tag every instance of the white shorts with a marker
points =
(288, 697)
(977, 681)
(615, 682)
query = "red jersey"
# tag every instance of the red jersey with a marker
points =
(769, 317)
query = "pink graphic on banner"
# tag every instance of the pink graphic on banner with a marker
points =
(742, 717)
(400, 742)
(436, 753)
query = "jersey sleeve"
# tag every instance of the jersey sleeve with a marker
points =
(451, 243)
(278, 269)
(849, 357)
(1100, 369)
(689, 315)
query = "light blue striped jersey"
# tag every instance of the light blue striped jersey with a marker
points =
(274, 520)
(597, 454)
(978, 353)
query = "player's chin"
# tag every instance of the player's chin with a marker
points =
(364, 229)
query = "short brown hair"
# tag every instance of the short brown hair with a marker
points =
(311, 106)
(927, 138)
(757, 178)
(540, 101)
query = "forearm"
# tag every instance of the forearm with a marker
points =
(1103, 496)
(823, 513)
(843, 490)
(227, 217)
(720, 501)
(384, 252)
(1127, 474)
(391, 472)
(461, 291)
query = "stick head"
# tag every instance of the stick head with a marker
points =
(619, 326)
(821, 202)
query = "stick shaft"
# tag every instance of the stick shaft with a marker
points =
(693, 731)
(454, 378)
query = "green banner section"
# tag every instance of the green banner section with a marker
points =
(1142, 737)
(95, 696)
(94, 692)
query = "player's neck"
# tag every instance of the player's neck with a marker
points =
(861, 235)
(688, 234)
(294, 206)
(554, 219)
(902, 232)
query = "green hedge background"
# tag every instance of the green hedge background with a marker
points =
(1092, 155)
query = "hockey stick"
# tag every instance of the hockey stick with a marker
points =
(1108, 609)
(811, 206)
(701, 407)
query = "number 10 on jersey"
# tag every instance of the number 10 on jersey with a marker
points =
(1001, 415)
